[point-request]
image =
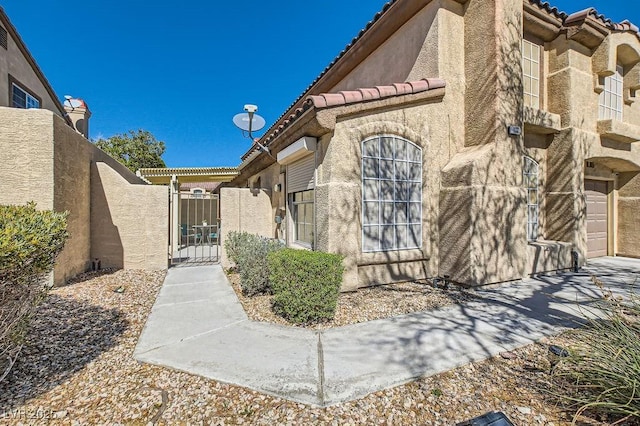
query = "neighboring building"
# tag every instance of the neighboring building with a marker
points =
(483, 140)
(115, 218)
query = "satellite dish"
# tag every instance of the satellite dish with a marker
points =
(72, 102)
(249, 122)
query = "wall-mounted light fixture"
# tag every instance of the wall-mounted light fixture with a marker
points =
(277, 187)
(514, 130)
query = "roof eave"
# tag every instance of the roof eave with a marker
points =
(34, 65)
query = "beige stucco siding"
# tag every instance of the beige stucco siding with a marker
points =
(339, 193)
(26, 156)
(474, 200)
(244, 210)
(71, 179)
(129, 223)
(46, 161)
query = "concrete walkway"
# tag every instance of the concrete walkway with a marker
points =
(197, 325)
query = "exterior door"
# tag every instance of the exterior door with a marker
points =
(596, 192)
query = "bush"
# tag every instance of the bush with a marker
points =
(249, 253)
(603, 372)
(234, 242)
(29, 243)
(306, 284)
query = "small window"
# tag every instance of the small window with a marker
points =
(303, 215)
(3, 37)
(531, 63)
(20, 98)
(530, 175)
(197, 192)
(610, 103)
(391, 194)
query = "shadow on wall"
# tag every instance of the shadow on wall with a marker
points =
(106, 244)
(65, 336)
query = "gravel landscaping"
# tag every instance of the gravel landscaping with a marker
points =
(77, 368)
(366, 304)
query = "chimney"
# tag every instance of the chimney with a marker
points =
(79, 113)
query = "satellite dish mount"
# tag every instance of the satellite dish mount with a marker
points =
(250, 122)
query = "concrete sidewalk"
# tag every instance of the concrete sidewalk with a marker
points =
(197, 325)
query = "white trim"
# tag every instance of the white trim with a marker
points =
(297, 150)
(391, 183)
(529, 174)
(610, 102)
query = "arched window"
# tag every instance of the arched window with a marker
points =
(391, 194)
(530, 174)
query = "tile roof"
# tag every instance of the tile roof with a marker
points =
(291, 114)
(346, 97)
(207, 186)
(592, 12)
(549, 9)
(569, 19)
(325, 100)
(376, 17)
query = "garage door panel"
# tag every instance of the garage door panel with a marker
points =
(597, 217)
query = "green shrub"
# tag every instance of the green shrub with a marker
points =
(29, 243)
(249, 252)
(234, 242)
(305, 284)
(602, 374)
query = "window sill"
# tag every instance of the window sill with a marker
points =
(619, 131)
(392, 256)
(300, 246)
(540, 121)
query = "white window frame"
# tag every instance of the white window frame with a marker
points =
(197, 192)
(531, 176)
(295, 205)
(30, 101)
(531, 73)
(610, 102)
(389, 215)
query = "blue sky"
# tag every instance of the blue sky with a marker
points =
(182, 70)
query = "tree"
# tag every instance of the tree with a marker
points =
(135, 149)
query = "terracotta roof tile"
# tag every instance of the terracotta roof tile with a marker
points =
(578, 17)
(369, 93)
(386, 91)
(351, 96)
(318, 101)
(346, 97)
(549, 9)
(403, 88)
(332, 99)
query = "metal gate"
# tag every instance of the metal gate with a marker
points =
(195, 227)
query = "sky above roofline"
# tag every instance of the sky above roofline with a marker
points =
(183, 70)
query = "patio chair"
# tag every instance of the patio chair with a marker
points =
(186, 234)
(213, 235)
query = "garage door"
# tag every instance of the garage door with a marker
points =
(597, 211)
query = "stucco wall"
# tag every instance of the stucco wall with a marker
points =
(45, 161)
(26, 157)
(475, 202)
(242, 209)
(129, 223)
(628, 210)
(71, 177)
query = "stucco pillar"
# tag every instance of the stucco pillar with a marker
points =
(565, 205)
(176, 231)
(482, 221)
(628, 208)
